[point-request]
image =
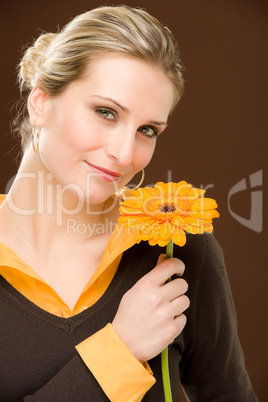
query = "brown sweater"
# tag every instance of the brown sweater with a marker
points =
(39, 362)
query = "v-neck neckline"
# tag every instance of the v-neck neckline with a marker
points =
(70, 323)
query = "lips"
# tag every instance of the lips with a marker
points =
(106, 174)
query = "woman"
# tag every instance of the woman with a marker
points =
(85, 312)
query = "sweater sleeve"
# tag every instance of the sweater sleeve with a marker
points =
(100, 375)
(213, 368)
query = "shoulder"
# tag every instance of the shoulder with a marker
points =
(199, 246)
(202, 256)
(200, 250)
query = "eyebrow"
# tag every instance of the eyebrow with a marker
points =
(126, 110)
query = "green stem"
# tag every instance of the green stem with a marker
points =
(169, 250)
(164, 353)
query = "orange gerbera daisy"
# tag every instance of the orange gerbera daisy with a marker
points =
(164, 212)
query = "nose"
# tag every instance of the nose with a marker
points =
(121, 147)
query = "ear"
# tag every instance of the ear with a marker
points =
(36, 106)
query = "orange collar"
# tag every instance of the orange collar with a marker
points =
(26, 281)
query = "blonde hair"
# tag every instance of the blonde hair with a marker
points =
(55, 60)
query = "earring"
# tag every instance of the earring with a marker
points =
(35, 137)
(141, 180)
(120, 193)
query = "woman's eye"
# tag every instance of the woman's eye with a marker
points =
(106, 114)
(148, 131)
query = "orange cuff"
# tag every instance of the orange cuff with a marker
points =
(121, 376)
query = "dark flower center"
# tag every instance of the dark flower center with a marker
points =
(167, 208)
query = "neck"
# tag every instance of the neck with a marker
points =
(47, 214)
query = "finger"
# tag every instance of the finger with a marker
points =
(178, 306)
(181, 322)
(165, 269)
(161, 258)
(175, 288)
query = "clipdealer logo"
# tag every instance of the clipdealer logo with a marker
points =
(255, 221)
(254, 191)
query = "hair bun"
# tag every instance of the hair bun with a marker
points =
(32, 60)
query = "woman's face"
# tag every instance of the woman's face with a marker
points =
(102, 129)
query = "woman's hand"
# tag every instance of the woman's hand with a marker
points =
(150, 314)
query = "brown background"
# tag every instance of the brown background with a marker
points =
(216, 135)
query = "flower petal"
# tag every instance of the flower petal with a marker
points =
(166, 212)
(204, 203)
(179, 239)
(177, 220)
(163, 242)
(166, 230)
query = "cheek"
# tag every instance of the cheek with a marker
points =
(68, 136)
(143, 156)
(82, 135)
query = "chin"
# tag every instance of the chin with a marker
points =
(97, 195)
